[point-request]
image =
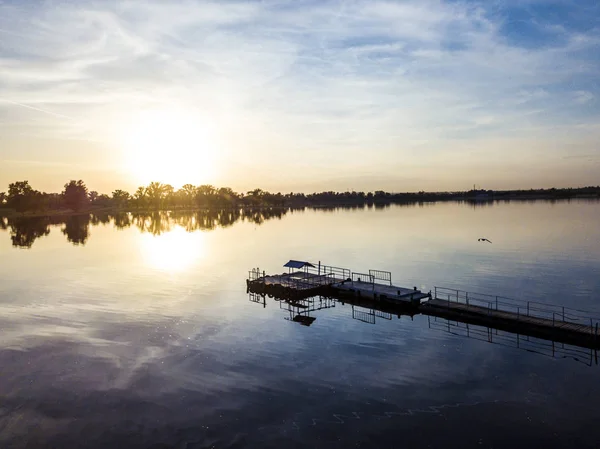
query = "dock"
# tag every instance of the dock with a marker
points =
(375, 290)
(305, 279)
(547, 321)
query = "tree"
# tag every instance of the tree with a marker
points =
(205, 195)
(155, 192)
(168, 195)
(20, 196)
(120, 197)
(75, 195)
(140, 197)
(93, 196)
(188, 194)
(2, 198)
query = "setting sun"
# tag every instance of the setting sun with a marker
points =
(169, 146)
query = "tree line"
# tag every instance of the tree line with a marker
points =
(75, 196)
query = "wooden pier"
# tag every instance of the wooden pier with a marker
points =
(305, 280)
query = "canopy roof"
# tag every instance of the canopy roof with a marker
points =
(298, 264)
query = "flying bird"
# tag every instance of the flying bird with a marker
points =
(483, 240)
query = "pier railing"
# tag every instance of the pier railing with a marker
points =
(559, 315)
(329, 271)
(308, 277)
(380, 275)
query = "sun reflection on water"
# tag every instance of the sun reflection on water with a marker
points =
(173, 251)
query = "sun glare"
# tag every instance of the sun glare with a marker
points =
(169, 146)
(174, 251)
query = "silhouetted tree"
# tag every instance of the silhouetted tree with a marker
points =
(21, 196)
(205, 195)
(120, 197)
(93, 196)
(2, 198)
(75, 195)
(155, 192)
(139, 197)
(188, 194)
(168, 195)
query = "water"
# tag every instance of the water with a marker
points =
(137, 331)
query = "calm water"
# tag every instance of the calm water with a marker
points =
(137, 331)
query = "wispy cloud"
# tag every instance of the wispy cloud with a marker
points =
(389, 84)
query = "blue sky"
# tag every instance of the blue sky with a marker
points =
(398, 95)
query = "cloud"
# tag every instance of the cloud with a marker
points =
(335, 80)
(583, 96)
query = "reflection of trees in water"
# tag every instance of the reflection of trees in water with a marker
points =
(100, 218)
(25, 231)
(153, 222)
(122, 220)
(206, 220)
(77, 228)
(258, 216)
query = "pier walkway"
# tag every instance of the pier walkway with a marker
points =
(532, 318)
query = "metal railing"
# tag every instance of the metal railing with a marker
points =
(255, 274)
(363, 278)
(379, 275)
(558, 315)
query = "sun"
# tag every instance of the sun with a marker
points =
(169, 146)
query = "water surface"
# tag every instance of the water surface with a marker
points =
(137, 331)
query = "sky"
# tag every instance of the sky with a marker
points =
(300, 95)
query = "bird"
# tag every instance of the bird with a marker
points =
(483, 240)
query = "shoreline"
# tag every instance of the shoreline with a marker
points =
(11, 213)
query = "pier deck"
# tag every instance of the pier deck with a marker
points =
(322, 279)
(300, 280)
(529, 318)
(380, 291)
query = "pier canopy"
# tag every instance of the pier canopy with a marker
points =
(298, 264)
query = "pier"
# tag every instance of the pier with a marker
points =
(375, 291)
(305, 279)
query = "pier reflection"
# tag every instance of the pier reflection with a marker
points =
(303, 311)
(548, 348)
